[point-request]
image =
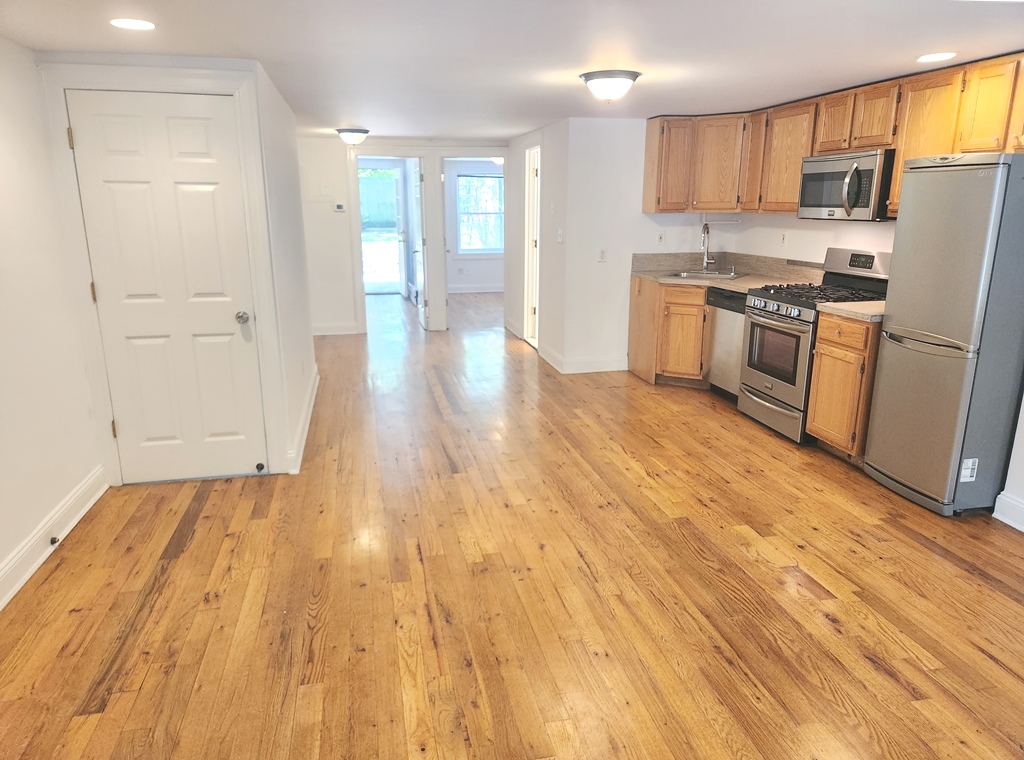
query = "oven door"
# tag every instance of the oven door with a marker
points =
(777, 357)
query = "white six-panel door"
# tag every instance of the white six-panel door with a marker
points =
(161, 187)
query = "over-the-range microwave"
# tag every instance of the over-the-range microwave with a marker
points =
(849, 186)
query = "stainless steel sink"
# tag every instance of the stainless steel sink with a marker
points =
(699, 275)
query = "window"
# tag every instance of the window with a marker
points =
(481, 209)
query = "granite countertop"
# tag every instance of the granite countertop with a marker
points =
(741, 284)
(866, 311)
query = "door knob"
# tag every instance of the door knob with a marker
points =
(242, 317)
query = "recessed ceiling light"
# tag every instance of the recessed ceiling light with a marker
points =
(135, 24)
(933, 57)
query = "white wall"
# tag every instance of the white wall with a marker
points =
(483, 273)
(335, 293)
(288, 259)
(1010, 504)
(51, 464)
(806, 239)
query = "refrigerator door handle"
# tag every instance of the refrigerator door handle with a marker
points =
(926, 337)
(923, 347)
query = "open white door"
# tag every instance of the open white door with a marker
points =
(532, 280)
(161, 188)
(417, 239)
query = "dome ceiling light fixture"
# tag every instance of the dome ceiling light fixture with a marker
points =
(610, 84)
(353, 136)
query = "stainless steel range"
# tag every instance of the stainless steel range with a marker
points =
(778, 335)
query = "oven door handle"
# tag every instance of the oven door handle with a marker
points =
(790, 327)
(779, 410)
(846, 189)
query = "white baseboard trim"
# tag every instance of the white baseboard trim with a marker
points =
(336, 328)
(1010, 510)
(516, 329)
(294, 462)
(583, 366)
(476, 288)
(33, 551)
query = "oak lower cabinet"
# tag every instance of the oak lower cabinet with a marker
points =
(666, 330)
(841, 382)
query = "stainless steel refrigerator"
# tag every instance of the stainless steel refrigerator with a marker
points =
(948, 385)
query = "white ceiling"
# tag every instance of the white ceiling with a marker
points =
(494, 69)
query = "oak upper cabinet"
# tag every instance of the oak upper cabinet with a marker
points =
(874, 116)
(668, 164)
(1015, 135)
(985, 106)
(927, 122)
(835, 115)
(752, 160)
(718, 145)
(681, 338)
(789, 138)
(841, 382)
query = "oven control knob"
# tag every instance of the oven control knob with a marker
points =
(775, 307)
(793, 312)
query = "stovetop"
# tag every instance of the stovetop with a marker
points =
(808, 295)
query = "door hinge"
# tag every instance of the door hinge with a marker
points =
(535, 243)
(663, 129)
(659, 201)
(899, 93)
(737, 198)
(862, 368)
(92, 291)
(853, 438)
(705, 316)
(425, 304)
(534, 310)
(894, 128)
(744, 125)
(421, 177)
(424, 242)
(702, 366)
(113, 428)
(963, 83)
(71, 139)
(759, 198)
(536, 172)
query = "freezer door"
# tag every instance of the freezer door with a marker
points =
(918, 415)
(943, 250)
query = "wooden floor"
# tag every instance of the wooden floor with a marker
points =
(485, 559)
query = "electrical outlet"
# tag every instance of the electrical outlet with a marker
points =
(602, 257)
(785, 234)
(661, 238)
(560, 235)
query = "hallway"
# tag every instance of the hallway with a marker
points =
(485, 559)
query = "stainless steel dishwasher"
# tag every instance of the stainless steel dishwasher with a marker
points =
(726, 339)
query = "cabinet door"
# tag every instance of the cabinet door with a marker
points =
(985, 109)
(682, 341)
(676, 165)
(719, 142)
(644, 299)
(752, 160)
(1015, 136)
(835, 114)
(928, 113)
(874, 116)
(836, 385)
(789, 139)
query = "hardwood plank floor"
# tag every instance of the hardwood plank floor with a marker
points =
(485, 559)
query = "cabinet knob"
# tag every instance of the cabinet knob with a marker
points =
(996, 139)
(666, 312)
(1016, 141)
(839, 333)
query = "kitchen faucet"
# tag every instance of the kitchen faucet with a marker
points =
(705, 247)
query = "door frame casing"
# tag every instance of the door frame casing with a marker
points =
(239, 84)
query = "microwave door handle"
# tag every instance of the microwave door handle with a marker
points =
(846, 189)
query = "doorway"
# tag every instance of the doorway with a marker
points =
(531, 317)
(161, 191)
(391, 217)
(474, 224)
